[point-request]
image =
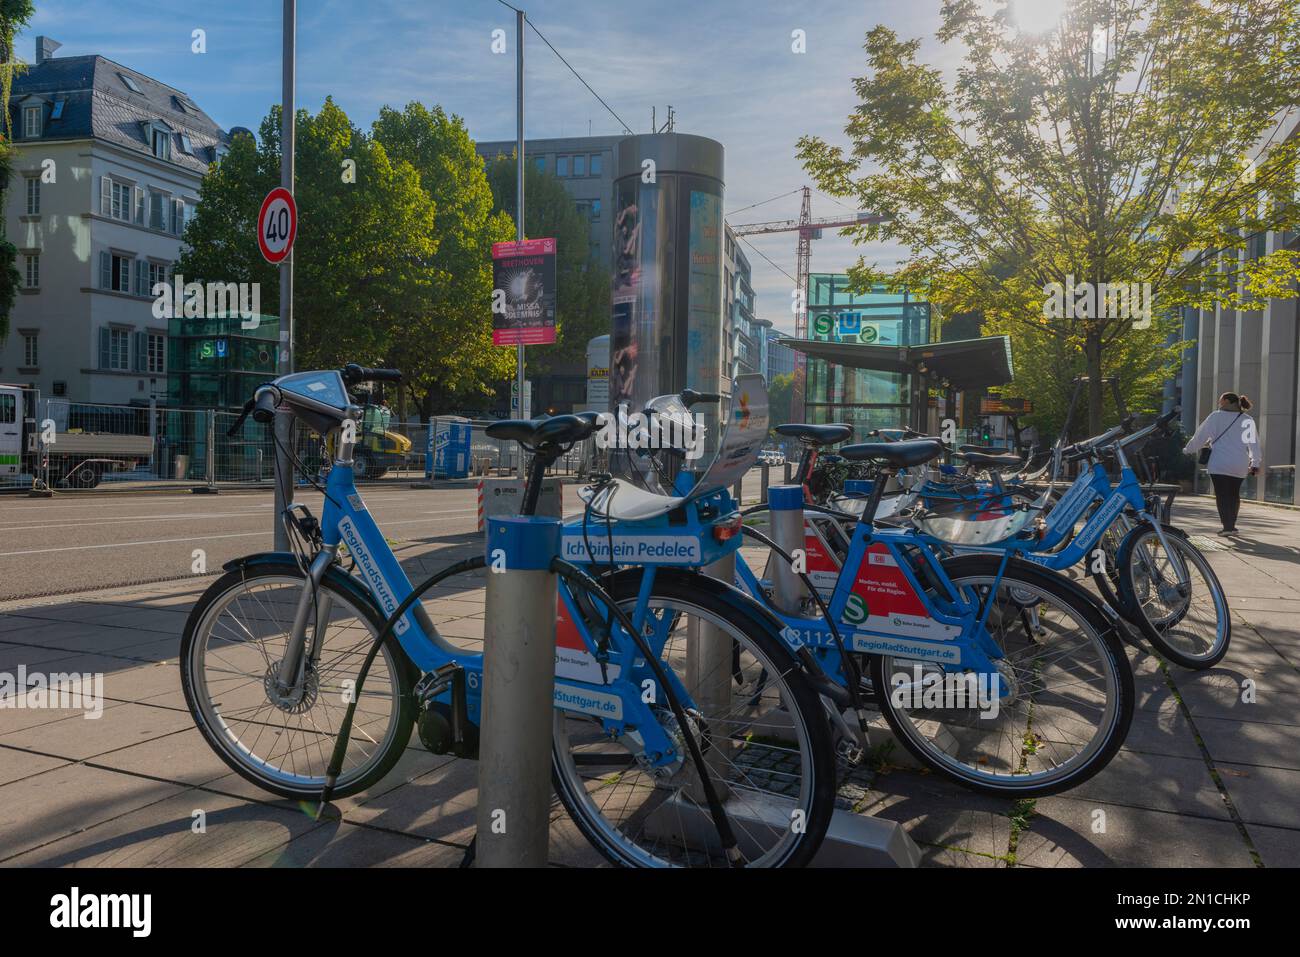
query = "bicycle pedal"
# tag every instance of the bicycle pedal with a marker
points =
(849, 752)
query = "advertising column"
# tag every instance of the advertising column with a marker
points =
(666, 330)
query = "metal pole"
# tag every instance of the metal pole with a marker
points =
(283, 422)
(514, 787)
(519, 175)
(785, 504)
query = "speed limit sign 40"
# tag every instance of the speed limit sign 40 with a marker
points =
(277, 224)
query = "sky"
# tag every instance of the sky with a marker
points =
(725, 66)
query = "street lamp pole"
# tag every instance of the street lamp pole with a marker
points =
(283, 422)
(519, 189)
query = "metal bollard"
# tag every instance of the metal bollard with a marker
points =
(763, 482)
(789, 475)
(708, 678)
(514, 793)
(786, 509)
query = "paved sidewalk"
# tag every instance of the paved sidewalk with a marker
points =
(1203, 780)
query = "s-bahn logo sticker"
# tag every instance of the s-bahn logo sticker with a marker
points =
(523, 293)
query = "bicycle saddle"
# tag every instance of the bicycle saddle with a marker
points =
(816, 434)
(557, 430)
(621, 501)
(983, 460)
(901, 454)
(982, 449)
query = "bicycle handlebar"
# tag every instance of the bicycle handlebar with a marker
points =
(353, 374)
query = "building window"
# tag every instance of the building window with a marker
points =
(561, 166)
(116, 199)
(178, 216)
(595, 164)
(31, 122)
(33, 196)
(114, 349)
(31, 353)
(57, 112)
(8, 408)
(540, 163)
(580, 166)
(157, 274)
(157, 346)
(115, 272)
(162, 144)
(32, 271)
(156, 201)
(595, 210)
(129, 83)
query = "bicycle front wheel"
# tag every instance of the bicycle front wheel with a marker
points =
(762, 730)
(1068, 698)
(281, 739)
(1174, 599)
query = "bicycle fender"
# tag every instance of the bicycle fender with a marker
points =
(349, 583)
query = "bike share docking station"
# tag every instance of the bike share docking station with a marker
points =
(514, 771)
(852, 840)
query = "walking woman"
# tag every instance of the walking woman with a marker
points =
(1228, 447)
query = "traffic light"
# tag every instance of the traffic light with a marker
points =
(986, 433)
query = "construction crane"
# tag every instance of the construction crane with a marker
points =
(808, 230)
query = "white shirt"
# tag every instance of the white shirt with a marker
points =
(1231, 454)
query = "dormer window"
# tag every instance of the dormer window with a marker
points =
(187, 144)
(178, 104)
(129, 83)
(31, 122)
(162, 144)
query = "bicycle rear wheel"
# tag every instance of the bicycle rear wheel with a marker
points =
(766, 743)
(1186, 620)
(1070, 699)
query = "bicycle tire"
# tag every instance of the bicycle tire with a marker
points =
(1158, 632)
(399, 667)
(801, 700)
(1112, 655)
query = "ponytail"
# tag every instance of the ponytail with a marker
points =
(1244, 402)
(1240, 401)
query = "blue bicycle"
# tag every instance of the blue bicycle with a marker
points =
(307, 670)
(996, 672)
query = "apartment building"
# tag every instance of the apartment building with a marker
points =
(105, 178)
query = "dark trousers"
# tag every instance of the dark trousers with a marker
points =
(1227, 496)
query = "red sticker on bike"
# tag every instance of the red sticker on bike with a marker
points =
(884, 600)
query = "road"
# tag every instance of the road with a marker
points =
(80, 542)
(83, 541)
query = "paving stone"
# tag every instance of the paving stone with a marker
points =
(1060, 834)
(1156, 782)
(1276, 846)
(79, 738)
(1162, 732)
(941, 813)
(346, 845)
(49, 806)
(1251, 742)
(16, 765)
(1263, 795)
(163, 835)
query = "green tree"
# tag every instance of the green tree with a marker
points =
(1120, 146)
(14, 15)
(582, 284)
(449, 338)
(780, 398)
(382, 273)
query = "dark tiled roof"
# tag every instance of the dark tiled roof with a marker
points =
(97, 102)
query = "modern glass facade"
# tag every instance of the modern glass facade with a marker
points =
(216, 363)
(864, 398)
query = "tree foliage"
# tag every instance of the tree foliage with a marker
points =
(582, 284)
(383, 274)
(1137, 141)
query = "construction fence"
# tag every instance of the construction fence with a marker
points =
(60, 444)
